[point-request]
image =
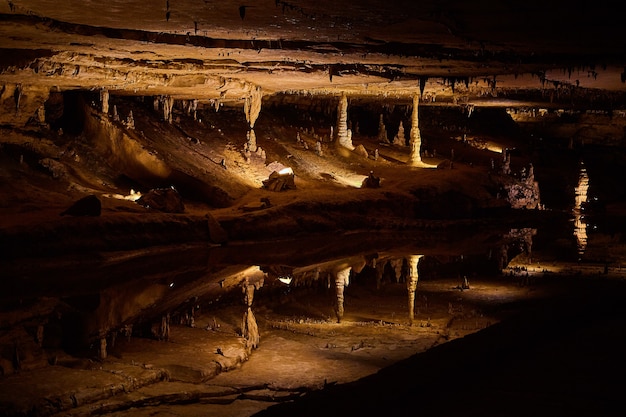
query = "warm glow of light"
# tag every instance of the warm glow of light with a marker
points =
(285, 279)
(133, 196)
(286, 171)
(494, 148)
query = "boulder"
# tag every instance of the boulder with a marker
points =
(86, 206)
(166, 200)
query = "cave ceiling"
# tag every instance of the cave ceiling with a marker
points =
(533, 52)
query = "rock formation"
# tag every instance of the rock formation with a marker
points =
(400, 139)
(411, 283)
(415, 140)
(344, 138)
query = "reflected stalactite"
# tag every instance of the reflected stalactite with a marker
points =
(249, 327)
(580, 197)
(342, 279)
(411, 283)
(396, 265)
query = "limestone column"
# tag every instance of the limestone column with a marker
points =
(343, 137)
(415, 140)
(411, 283)
(104, 99)
(252, 108)
(342, 279)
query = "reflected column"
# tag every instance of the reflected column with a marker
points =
(411, 283)
(249, 327)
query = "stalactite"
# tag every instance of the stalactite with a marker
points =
(252, 106)
(415, 139)
(343, 138)
(167, 103)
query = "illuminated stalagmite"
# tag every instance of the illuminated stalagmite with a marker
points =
(342, 279)
(343, 136)
(415, 140)
(411, 283)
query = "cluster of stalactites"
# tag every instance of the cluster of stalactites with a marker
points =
(166, 104)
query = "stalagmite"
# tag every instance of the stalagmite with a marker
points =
(41, 114)
(103, 348)
(251, 144)
(382, 131)
(104, 99)
(342, 279)
(343, 138)
(415, 140)
(252, 106)
(411, 283)
(130, 121)
(399, 139)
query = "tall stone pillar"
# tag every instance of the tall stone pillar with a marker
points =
(411, 283)
(415, 140)
(342, 279)
(104, 99)
(343, 137)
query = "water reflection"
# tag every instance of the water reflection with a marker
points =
(90, 302)
(580, 197)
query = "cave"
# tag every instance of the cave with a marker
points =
(312, 208)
